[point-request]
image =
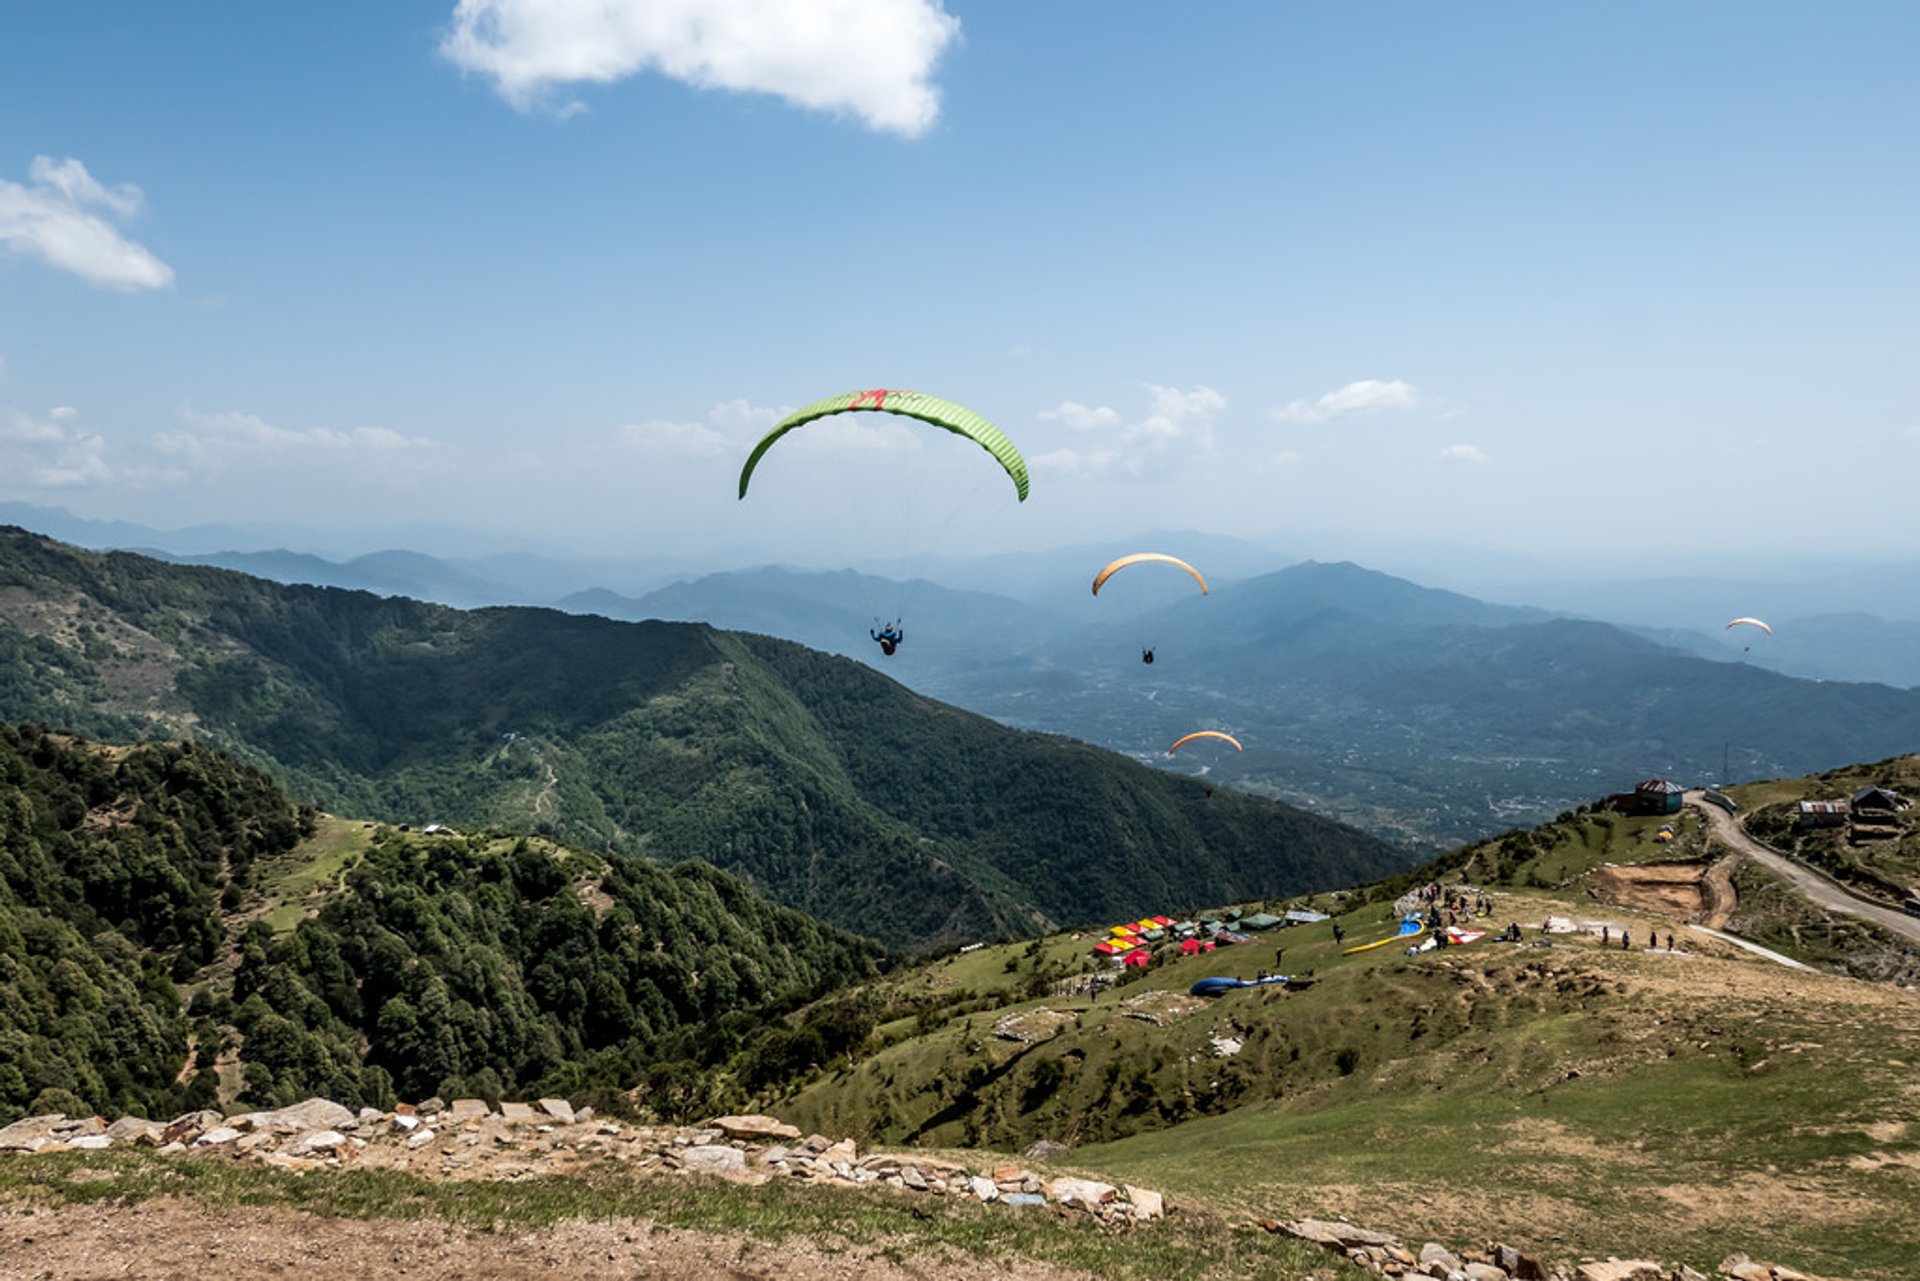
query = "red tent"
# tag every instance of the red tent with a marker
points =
(1137, 957)
(1189, 947)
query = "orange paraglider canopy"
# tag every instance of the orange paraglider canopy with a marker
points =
(1205, 733)
(1137, 558)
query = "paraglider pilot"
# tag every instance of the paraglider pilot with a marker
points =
(889, 637)
(1146, 655)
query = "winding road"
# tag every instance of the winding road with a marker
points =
(1804, 879)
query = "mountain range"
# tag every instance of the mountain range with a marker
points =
(827, 786)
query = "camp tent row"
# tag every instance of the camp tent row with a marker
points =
(1135, 937)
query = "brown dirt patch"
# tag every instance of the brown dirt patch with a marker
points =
(1671, 889)
(1535, 1137)
(172, 1238)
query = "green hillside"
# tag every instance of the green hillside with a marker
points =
(825, 785)
(1560, 1092)
(141, 969)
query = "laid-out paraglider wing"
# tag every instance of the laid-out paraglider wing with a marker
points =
(910, 404)
(1751, 622)
(1205, 733)
(1138, 557)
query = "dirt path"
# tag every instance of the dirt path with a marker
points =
(1717, 888)
(176, 1239)
(1756, 949)
(1805, 880)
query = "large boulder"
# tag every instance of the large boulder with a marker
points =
(1620, 1270)
(1336, 1236)
(755, 1129)
(30, 1133)
(1081, 1194)
(714, 1158)
(137, 1129)
(315, 1114)
(316, 1143)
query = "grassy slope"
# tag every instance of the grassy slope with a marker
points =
(1572, 1098)
(294, 883)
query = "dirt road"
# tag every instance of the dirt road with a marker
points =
(1804, 879)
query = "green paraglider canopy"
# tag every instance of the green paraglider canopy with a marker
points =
(910, 404)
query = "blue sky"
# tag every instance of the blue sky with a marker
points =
(1598, 281)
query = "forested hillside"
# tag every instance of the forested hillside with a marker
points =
(826, 785)
(142, 970)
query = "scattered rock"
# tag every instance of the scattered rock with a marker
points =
(185, 1129)
(753, 1149)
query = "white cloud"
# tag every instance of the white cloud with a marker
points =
(211, 441)
(1179, 415)
(1285, 458)
(694, 440)
(23, 429)
(1074, 462)
(739, 413)
(37, 453)
(1143, 448)
(1462, 454)
(1366, 396)
(866, 433)
(873, 59)
(52, 220)
(1075, 416)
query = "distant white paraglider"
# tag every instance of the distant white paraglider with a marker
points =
(1749, 622)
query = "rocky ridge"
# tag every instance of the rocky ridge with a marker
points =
(468, 1139)
(1382, 1253)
